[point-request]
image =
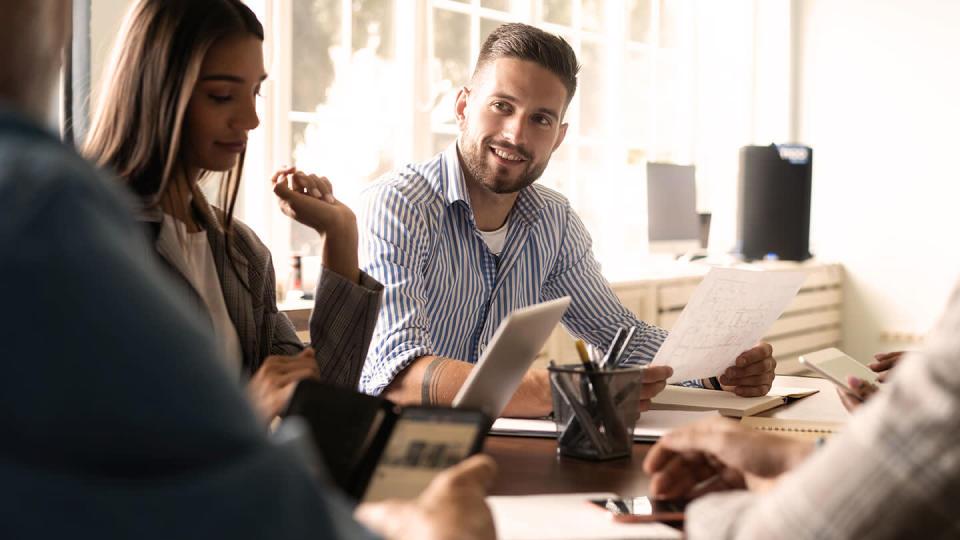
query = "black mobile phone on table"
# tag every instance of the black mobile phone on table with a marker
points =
(641, 509)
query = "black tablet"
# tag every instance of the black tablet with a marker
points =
(374, 449)
(423, 442)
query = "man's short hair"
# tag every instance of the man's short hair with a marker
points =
(525, 42)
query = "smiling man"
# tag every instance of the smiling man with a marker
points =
(465, 238)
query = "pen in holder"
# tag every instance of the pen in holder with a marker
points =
(596, 424)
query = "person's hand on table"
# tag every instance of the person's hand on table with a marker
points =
(719, 454)
(862, 390)
(272, 385)
(753, 372)
(452, 507)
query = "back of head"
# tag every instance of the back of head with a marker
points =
(525, 42)
(32, 36)
(137, 129)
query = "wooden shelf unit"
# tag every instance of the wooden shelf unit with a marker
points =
(813, 321)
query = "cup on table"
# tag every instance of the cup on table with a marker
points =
(595, 410)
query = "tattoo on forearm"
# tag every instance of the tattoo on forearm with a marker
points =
(431, 381)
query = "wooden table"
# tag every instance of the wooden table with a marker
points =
(528, 465)
(531, 465)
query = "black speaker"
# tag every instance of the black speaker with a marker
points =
(774, 202)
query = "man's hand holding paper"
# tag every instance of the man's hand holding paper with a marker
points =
(726, 315)
(752, 373)
(654, 381)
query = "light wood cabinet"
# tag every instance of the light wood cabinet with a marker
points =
(812, 321)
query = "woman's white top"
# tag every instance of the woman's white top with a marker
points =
(190, 254)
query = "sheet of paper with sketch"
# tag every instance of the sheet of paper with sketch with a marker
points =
(727, 314)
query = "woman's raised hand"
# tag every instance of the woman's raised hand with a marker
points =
(309, 199)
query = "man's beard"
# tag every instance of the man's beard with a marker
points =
(475, 160)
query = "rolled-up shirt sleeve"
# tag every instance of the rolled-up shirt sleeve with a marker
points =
(595, 313)
(894, 472)
(394, 240)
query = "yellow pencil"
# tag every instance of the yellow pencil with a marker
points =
(584, 355)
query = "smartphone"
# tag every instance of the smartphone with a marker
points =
(424, 441)
(641, 509)
(836, 366)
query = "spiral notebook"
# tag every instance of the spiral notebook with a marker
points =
(800, 429)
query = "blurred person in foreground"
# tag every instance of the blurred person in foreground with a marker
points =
(894, 471)
(176, 109)
(119, 418)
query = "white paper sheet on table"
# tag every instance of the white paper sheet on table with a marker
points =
(566, 517)
(727, 314)
(651, 426)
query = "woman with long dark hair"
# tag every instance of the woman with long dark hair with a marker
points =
(175, 110)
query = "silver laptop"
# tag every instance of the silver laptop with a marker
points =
(512, 349)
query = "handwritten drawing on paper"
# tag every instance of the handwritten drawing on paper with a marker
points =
(727, 314)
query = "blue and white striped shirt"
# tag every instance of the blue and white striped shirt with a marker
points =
(445, 293)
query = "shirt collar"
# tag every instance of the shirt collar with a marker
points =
(455, 187)
(527, 207)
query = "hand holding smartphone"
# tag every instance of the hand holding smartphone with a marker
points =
(836, 367)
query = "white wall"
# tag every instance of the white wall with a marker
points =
(743, 97)
(879, 102)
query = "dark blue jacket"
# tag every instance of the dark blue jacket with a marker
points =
(116, 418)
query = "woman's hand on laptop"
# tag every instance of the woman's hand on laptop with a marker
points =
(753, 372)
(452, 507)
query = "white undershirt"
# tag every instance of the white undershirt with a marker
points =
(190, 254)
(495, 239)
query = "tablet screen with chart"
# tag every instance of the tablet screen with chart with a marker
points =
(423, 443)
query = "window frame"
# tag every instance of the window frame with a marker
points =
(621, 153)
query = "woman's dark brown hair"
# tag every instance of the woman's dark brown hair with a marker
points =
(138, 128)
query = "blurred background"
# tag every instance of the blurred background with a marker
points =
(358, 87)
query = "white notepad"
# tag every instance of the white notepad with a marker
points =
(809, 430)
(566, 517)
